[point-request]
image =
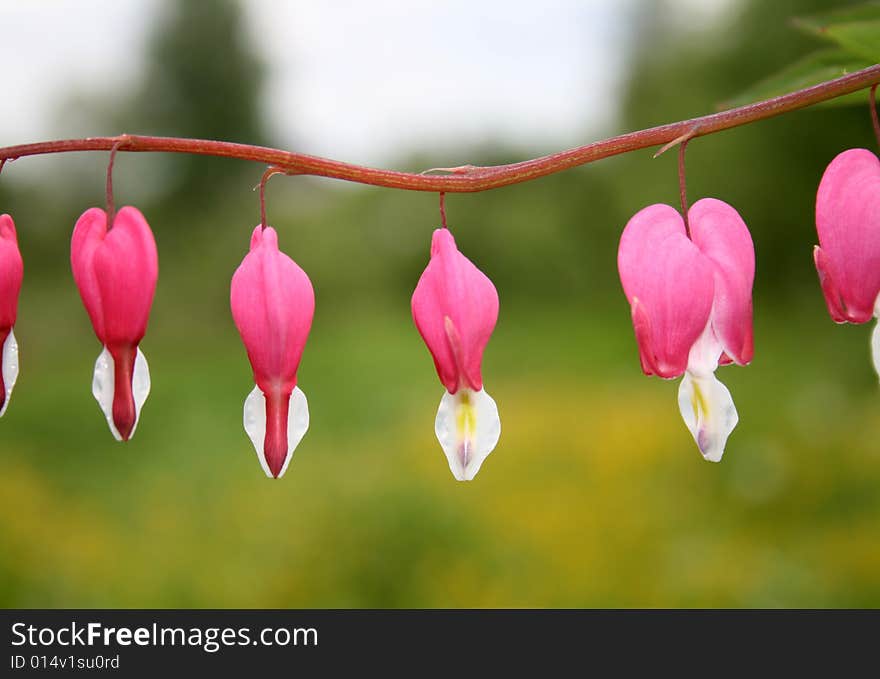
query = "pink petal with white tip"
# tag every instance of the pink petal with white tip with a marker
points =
(115, 271)
(668, 283)
(273, 303)
(848, 225)
(455, 308)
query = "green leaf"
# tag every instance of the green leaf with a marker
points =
(856, 29)
(813, 69)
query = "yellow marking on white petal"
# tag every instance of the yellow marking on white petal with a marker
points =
(698, 402)
(708, 411)
(466, 423)
(468, 428)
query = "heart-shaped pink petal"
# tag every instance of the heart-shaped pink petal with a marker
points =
(116, 271)
(272, 304)
(722, 236)
(668, 283)
(848, 225)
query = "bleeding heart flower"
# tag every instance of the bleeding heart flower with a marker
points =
(455, 307)
(272, 305)
(848, 255)
(11, 273)
(691, 302)
(115, 270)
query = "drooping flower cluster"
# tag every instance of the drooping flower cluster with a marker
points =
(691, 300)
(688, 281)
(115, 266)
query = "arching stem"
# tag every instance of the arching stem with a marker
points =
(467, 178)
(874, 119)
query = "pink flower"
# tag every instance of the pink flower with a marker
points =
(11, 273)
(115, 270)
(848, 255)
(272, 305)
(455, 307)
(691, 302)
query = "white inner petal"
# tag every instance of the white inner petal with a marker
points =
(705, 352)
(140, 386)
(255, 424)
(468, 428)
(103, 387)
(708, 411)
(875, 338)
(10, 367)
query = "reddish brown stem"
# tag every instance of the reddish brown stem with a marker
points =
(470, 179)
(682, 186)
(111, 208)
(874, 119)
(443, 209)
(266, 175)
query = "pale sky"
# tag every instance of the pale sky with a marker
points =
(362, 81)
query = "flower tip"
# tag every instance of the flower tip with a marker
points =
(276, 431)
(275, 451)
(124, 421)
(708, 412)
(468, 428)
(709, 449)
(120, 385)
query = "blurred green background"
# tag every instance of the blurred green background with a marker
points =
(596, 494)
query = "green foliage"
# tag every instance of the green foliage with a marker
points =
(855, 32)
(856, 29)
(811, 70)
